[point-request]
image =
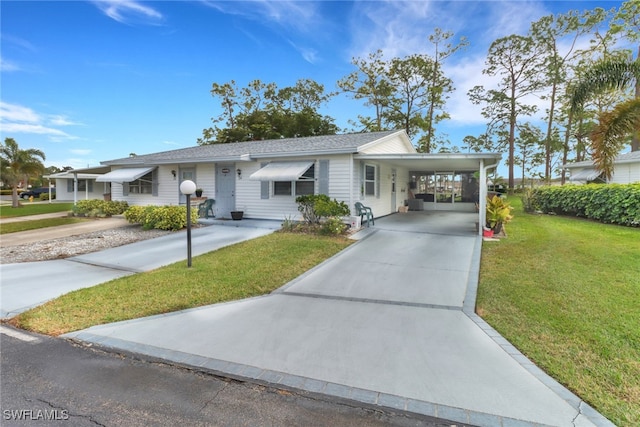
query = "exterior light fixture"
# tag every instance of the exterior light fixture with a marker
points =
(239, 172)
(187, 188)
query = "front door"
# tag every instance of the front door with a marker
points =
(186, 174)
(225, 190)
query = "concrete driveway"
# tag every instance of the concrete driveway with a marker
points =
(390, 321)
(26, 285)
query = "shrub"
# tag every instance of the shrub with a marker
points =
(160, 217)
(314, 207)
(45, 196)
(333, 226)
(608, 203)
(498, 212)
(135, 214)
(99, 208)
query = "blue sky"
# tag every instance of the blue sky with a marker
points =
(88, 81)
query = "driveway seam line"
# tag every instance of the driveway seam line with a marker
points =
(372, 301)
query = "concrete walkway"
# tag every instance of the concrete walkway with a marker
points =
(32, 236)
(26, 285)
(390, 321)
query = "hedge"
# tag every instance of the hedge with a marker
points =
(607, 203)
(160, 217)
(99, 208)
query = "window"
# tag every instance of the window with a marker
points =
(369, 180)
(82, 185)
(282, 188)
(142, 185)
(305, 185)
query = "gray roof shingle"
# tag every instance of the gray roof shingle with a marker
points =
(290, 146)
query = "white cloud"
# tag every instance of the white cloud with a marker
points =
(13, 112)
(61, 120)
(33, 129)
(285, 18)
(8, 66)
(24, 120)
(127, 11)
(303, 16)
(81, 151)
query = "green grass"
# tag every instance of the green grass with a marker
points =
(247, 269)
(566, 292)
(14, 227)
(27, 208)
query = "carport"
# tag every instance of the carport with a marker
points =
(444, 181)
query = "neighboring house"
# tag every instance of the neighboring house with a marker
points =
(73, 185)
(263, 178)
(626, 170)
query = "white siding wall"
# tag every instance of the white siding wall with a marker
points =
(381, 204)
(248, 194)
(168, 187)
(626, 173)
(63, 195)
(392, 146)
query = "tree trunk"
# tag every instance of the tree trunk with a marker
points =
(547, 144)
(565, 149)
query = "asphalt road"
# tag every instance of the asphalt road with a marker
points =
(50, 381)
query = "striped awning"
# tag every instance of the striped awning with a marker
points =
(124, 175)
(587, 174)
(282, 171)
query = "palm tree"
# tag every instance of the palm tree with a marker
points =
(17, 165)
(614, 126)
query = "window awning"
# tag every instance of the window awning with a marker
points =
(588, 174)
(124, 175)
(282, 171)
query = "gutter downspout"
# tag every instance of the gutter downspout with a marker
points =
(482, 214)
(351, 202)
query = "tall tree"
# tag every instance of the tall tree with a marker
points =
(529, 155)
(17, 165)
(439, 84)
(370, 82)
(409, 77)
(263, 111)
(548, 32)
(517, 61)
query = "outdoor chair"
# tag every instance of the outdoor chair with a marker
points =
(362, 211)
(205, 209)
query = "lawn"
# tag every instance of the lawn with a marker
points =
(27, 208)
(566, 292)
(14, 227)
(254, 267)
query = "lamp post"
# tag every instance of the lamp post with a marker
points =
(187, 188)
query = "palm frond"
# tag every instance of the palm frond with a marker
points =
(609, 136)
(605, 75)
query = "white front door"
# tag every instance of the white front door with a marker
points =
(186, 174)
(225, 190)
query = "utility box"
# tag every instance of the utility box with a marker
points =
(355, 223)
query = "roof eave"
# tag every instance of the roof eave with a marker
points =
(350, 150)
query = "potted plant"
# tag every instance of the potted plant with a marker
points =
(498, 213)
(237, 215)
(199, 192)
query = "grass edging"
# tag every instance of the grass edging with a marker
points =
(565, 292)
(251, 268)
(16, 227)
